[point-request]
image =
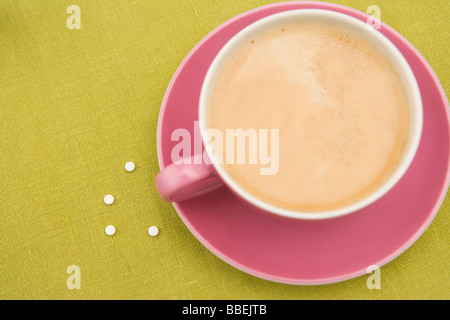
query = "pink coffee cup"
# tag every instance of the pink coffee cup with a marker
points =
(199, 174)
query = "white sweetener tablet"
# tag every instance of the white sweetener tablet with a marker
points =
(110, 230)
(130, 166)
(108, 199)
(153, 231)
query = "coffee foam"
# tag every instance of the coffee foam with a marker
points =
(339, 105)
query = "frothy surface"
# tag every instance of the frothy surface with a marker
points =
(339, 105)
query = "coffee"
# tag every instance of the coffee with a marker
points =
(338, 103)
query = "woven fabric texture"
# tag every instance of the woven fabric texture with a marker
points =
(77, 104)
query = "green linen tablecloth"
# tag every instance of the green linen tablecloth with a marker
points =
(76, 104)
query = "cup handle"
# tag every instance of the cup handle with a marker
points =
(186, 179)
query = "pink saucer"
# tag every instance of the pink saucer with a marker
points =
(311, 252)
